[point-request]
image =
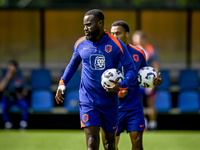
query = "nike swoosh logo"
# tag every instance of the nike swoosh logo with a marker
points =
(85, 48)
(114, 127)
(141, 125)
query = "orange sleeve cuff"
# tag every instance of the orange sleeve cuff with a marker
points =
(120, 94)
(61, 82)
(121, 89)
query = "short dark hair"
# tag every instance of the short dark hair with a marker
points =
(121, 23)
(140, 33)
(96, 13)
(14, 62)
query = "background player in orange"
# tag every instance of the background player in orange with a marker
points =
(139, 39)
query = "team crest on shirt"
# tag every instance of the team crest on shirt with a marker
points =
(136, 57)
(85, 118)
(97, 62)
(115, 128)
(108, 48)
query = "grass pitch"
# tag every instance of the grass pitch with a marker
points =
(75, 140)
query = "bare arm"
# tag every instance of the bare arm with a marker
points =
(5, 80)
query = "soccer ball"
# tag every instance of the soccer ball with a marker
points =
(111, 74)
(146, 75)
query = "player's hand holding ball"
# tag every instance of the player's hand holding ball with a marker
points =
(110, 80)
(157, 81)
(114, 88)
(60, 93)
(148, 77)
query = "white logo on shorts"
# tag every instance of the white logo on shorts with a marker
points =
(97, 62)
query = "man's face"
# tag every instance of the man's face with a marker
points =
(12, 68)
(91, 27)
(119, 32)
(136, 39)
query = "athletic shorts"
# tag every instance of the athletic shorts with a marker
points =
(132, 120)
(151, 96)
(105, 117)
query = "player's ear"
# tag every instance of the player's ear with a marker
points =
(100, 23)
(127, 34)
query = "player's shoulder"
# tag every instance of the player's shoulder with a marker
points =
(117, 42)
(79, 41)
(121, 45)
(137, 50)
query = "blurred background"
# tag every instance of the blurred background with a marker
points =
(40, 35)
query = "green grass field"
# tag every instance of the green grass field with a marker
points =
(75, 140)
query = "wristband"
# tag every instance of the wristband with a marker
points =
(61, 87)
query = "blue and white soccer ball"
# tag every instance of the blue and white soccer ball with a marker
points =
(111, 74)
(146, 75)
